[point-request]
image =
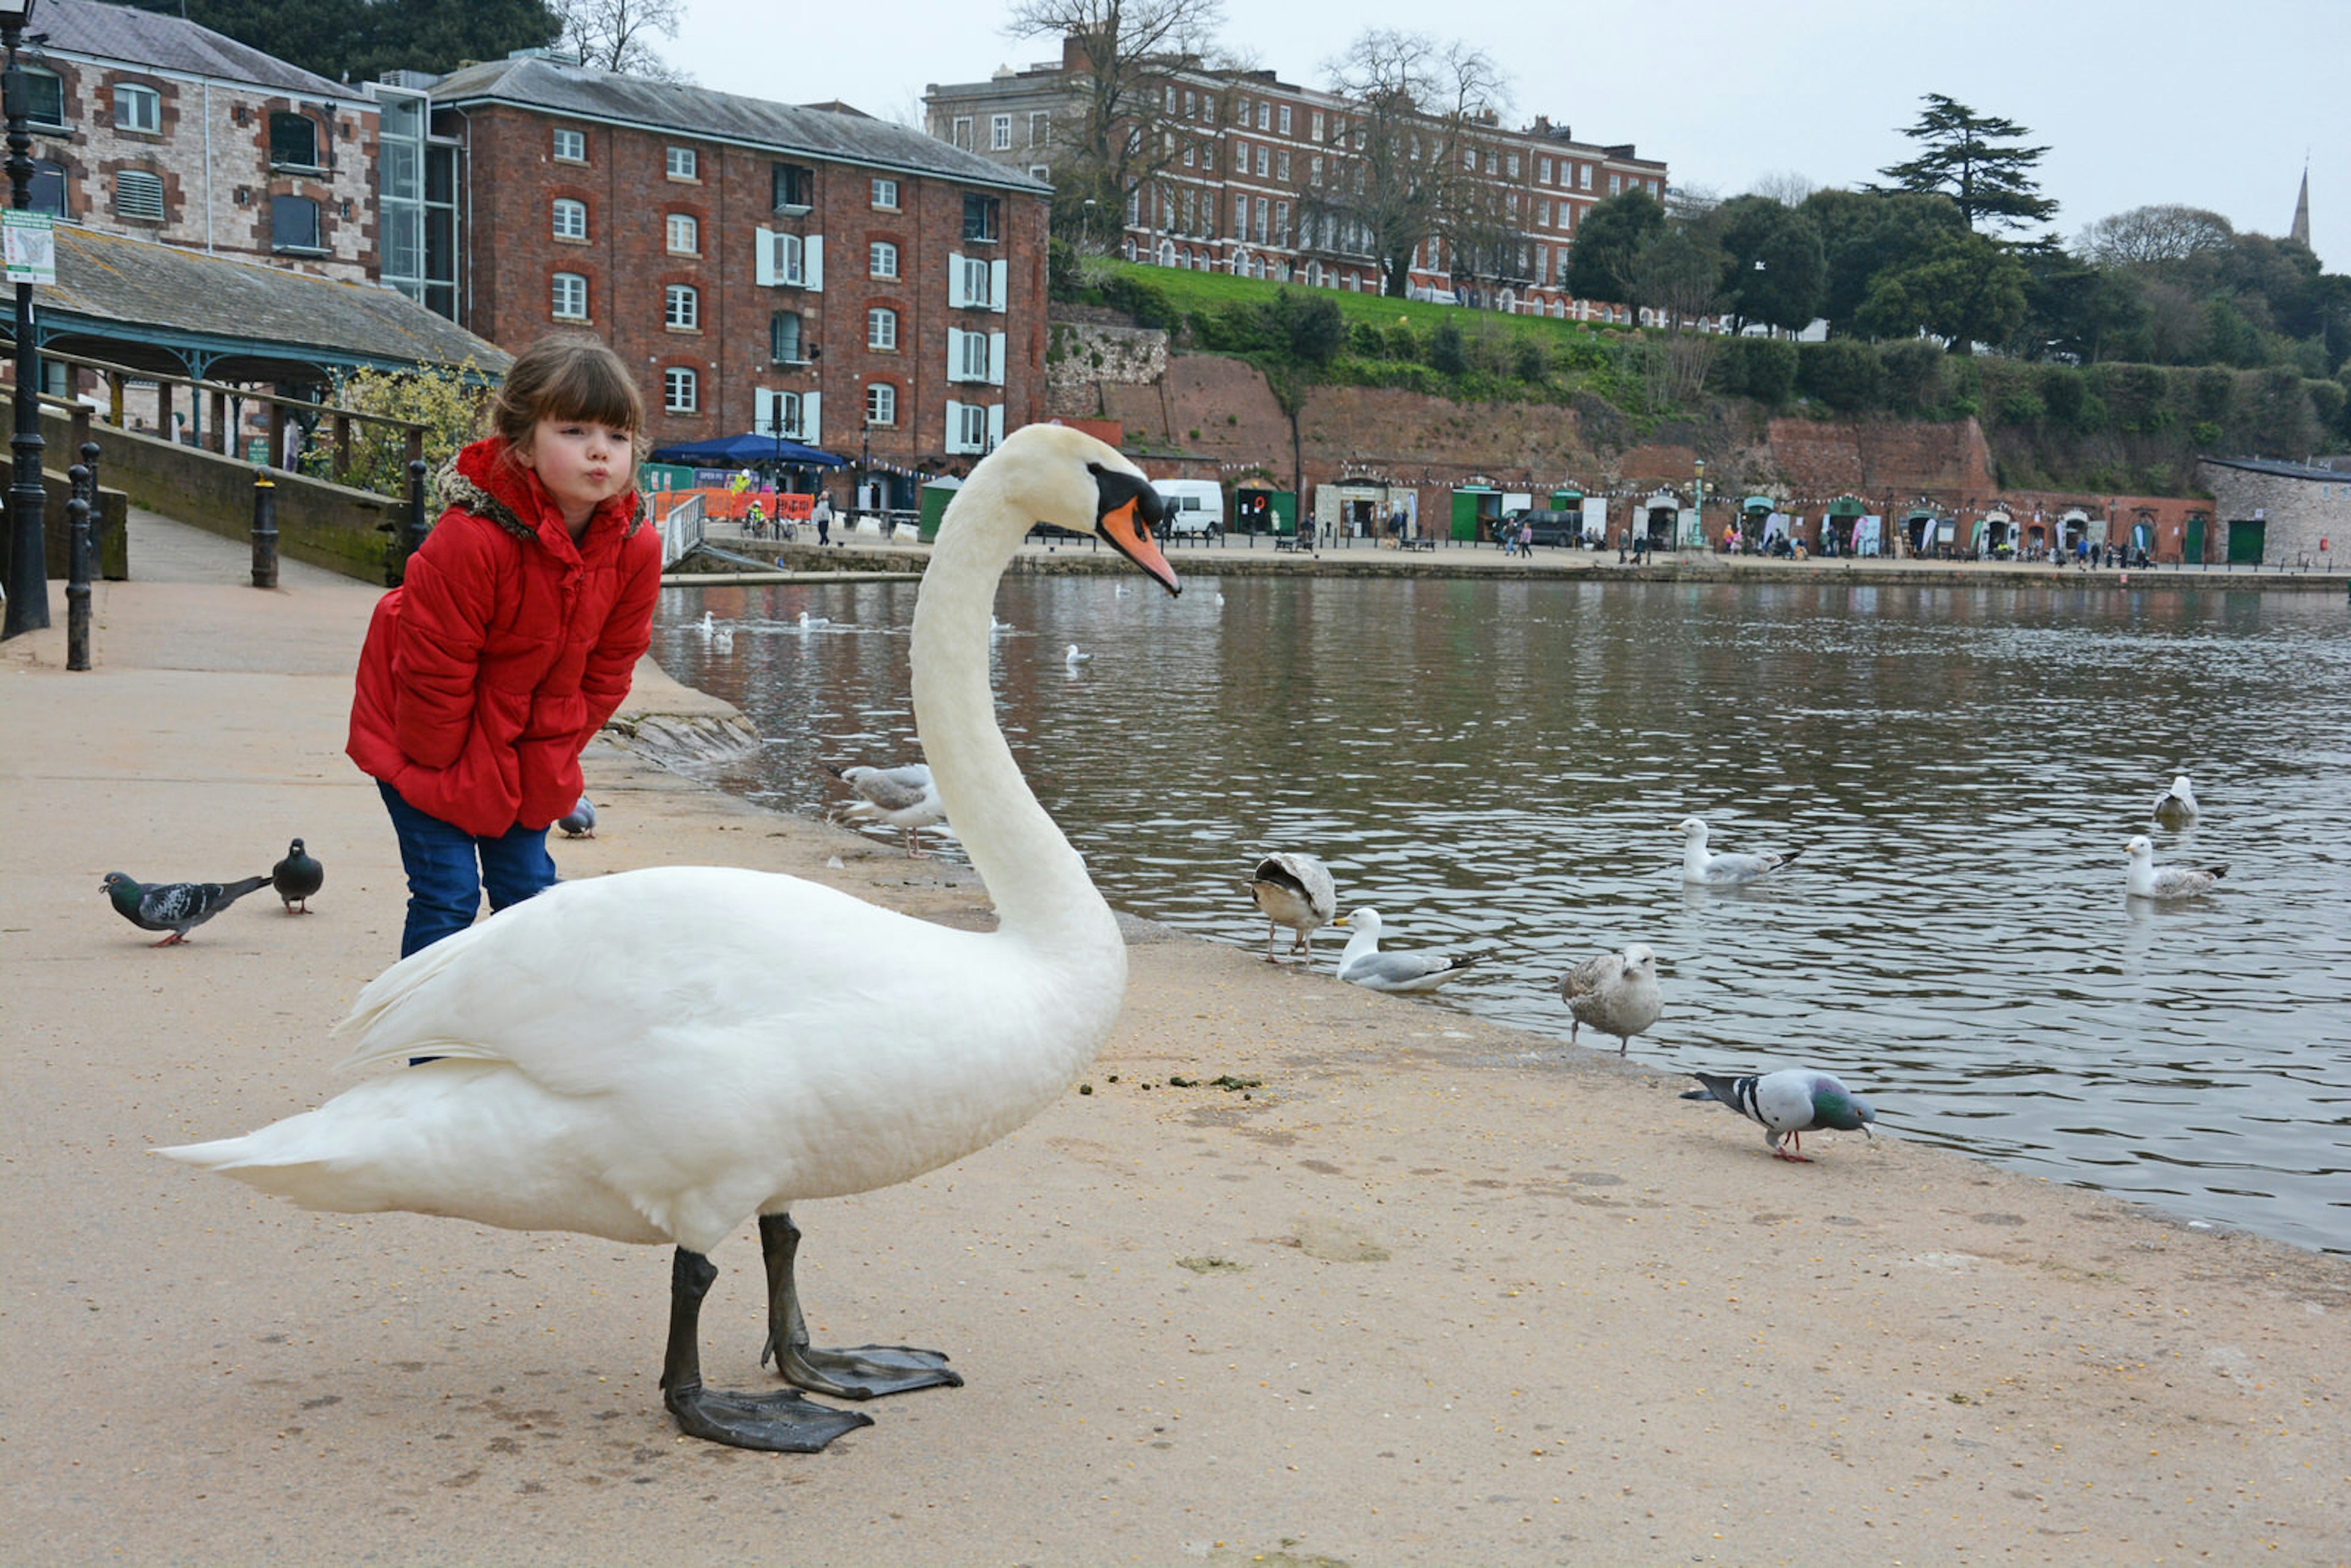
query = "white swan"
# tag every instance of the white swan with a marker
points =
(1727, 870)
(906, 798)
(1294, 890)
(1362, 964)
(658, 1056)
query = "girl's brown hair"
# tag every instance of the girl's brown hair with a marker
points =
(566, 378)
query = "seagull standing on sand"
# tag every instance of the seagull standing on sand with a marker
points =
(1362, 964)
(1788, 1104)
(1294, 890)
(903, 796)
(2149, 879)
(1727, 870)
(2176, 807)
(1615, 993)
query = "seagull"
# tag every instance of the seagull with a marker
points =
(1362, 964)
(810, 623)
(2149, 879)
(903, 796)
(2176, 807)
(579, 822)
(1220, 598)
(993, 625)
(1723, 870)
(1121, 592)
(1073, 658)
(1789, 1103)
(1615, 993)
(296, 877)
(1294, 890)
(178, 907)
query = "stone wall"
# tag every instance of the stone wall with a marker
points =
(2306, 517)
(1081, 357)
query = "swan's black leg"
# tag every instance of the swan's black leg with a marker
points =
(866, 1372)
(781, 1423)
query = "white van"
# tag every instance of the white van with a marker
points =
(1195, 508)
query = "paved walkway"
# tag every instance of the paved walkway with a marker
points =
(1426, 1291)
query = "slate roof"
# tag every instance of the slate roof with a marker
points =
(2277, 469)
(165, 294)
(168, 43)
(834, 132)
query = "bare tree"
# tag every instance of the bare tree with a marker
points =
(1785, 186)
(2153, 237)
(617, 35)
(1125, 126)
(1402, 165)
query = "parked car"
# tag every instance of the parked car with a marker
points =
(1558, 529)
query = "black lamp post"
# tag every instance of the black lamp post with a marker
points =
(28, 566)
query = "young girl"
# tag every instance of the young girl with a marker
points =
(512, 641)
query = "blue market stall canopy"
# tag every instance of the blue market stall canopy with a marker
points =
(734, 451)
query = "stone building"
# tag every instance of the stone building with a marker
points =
(808, 272)
(152, 127)
(2279, 514)
(1247, 154)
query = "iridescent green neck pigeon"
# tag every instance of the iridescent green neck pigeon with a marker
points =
(296, 877)
(1789, 1103)
(178, 907)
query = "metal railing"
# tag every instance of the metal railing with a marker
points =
(681, 529)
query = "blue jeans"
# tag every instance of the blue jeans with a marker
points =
(444, 881)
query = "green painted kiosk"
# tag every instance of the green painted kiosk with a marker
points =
(935, 495)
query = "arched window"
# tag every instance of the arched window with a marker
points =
(684, 234)
(138, 108)
(44, 96)
(882, 330)
(570, 297)
(881, 403)
(49, 188)
(681, 392)
(882, 259)
(294, 224)
(293, 141)
(569, 218)
(682, 307)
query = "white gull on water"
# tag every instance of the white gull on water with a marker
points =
(1727, 870)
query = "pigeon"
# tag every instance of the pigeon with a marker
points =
(1073, 658)
(579, 822)
(296, 877)
(1723, 870)
(903, 796)
(1294, 890)
(1615, 993)
(1788, 1104)
(1362, 964)
(2176, 807)
(2149, 879)
(178, 907)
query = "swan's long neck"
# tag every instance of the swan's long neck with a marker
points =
(1039, 883)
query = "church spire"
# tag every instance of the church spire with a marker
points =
(2300, 234)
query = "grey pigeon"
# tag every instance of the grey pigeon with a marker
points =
(296, 878)
(1614, 992)
(579, 822)
(1294, 890)
(178, 907)
(1788, 1104)
(1362, 964)
(1712, 870)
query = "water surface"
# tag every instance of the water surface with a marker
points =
(1499, 768)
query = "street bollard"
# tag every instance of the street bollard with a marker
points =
(265, 531)
(89, 453)
(77, 569)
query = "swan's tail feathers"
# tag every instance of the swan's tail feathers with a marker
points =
(372, 1030)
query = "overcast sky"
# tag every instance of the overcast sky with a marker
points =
(2211, 105)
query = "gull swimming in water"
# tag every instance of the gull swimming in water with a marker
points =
(1073, 658)
(1727, 870)
(2176, 807)
(1788, 1104)
(810, 623)
(2149, 879)
(1362, 964)
(1615, 993)
(1294, 890)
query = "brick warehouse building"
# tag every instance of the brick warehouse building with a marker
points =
(848, 282)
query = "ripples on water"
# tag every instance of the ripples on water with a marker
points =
(1500, 767)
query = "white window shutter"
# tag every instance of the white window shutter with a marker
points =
(996, 358)
(955, 426)
(813, 255)
(955, 300)
(811, 417)
(762, 411)
(998, 272)
(763, 268)
(996, 420)
(955, 353)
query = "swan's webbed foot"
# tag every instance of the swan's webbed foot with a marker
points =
(786, 1423)
(865, 1372)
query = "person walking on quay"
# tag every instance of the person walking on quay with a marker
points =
(513, 638)
(820, 514)
(1526, 539)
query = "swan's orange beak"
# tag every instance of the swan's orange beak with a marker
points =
(1125, 510)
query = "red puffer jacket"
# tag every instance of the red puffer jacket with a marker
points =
(490, 669)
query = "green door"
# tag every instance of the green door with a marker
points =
(1465, 516)
(2191, 544)
(1285, 511)
(2245, 542)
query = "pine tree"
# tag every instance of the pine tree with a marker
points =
(1974, 159)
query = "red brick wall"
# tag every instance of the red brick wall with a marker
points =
(511, 257)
